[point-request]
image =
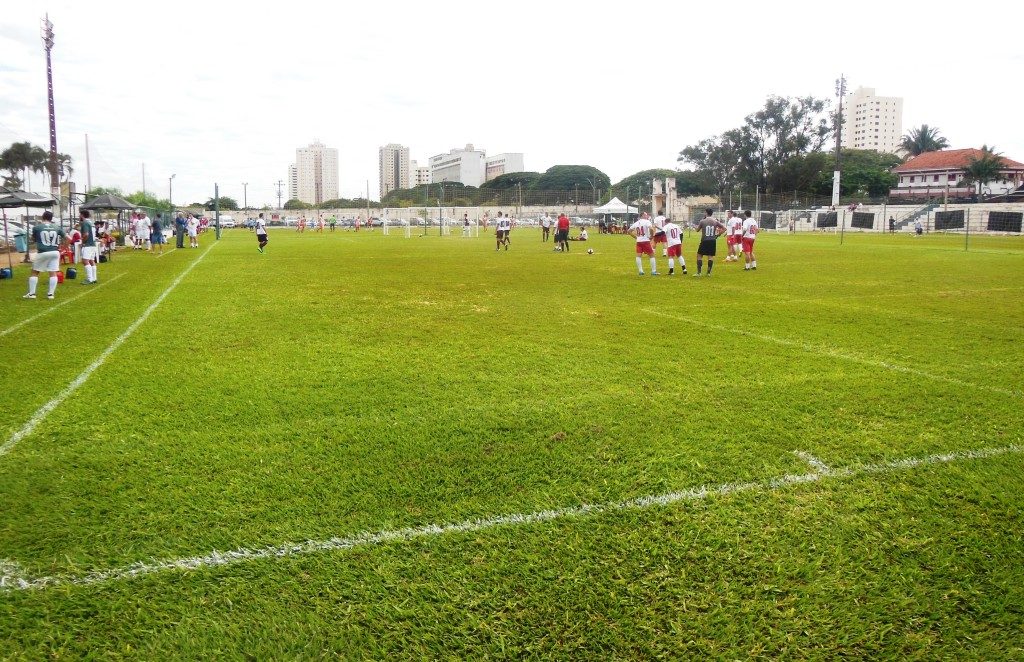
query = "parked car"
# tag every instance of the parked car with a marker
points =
(227, 221)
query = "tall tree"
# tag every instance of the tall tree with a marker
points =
(226, 204)
(20, 157)
(717, 158)
(568, 177)
(923, 139)
(985, 168)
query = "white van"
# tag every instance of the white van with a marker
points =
(226, 221)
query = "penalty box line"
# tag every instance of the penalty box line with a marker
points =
(824, 350)
(45, 410)
(12, 578)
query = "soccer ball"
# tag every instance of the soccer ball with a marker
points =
(590, 251)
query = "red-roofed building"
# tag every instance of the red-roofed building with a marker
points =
(932, 172)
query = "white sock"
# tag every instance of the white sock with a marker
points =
(671, 264)
(33, 281)
(654, 265)
(639, 264)
(754, 264)
(682, 262)
(53, 285)
(92, 272)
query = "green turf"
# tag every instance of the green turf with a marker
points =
(348, 383)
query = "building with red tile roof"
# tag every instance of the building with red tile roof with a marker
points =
(932, 173)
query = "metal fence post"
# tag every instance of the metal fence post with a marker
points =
(967, 228)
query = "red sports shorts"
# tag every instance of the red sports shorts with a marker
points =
(675, 251)
(644, 248)
(748, 245)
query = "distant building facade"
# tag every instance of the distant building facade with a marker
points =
(872, 122)
(418, 175)
(459, 165)
(394, 168)
(503, 164)
(313, 178)
(932, 172)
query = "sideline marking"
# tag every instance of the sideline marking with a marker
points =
(13, 578)
(169, 252)
(45, 410)
(63, 302)
(824, 350)
(816, 464)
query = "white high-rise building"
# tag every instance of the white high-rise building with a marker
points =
(503, 164)
(418, 175)
(293, 182)
(872, 122)
(394, 168)
(313, 178)
(459, 165)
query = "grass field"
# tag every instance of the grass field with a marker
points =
(381, 447)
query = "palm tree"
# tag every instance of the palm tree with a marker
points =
(923, 139)
(983, 169)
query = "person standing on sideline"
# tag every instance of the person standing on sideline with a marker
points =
(674, 241)
(48, 238)
(562, 233)
(193, 231)
(545, 227)
(142, 228)
(709, 228)
(465, 226)
(642, 229)
(261, 232)
(179, 231)
(156, 237)
(89, 256)
(750, 231)
(892, 225)
(502, 229)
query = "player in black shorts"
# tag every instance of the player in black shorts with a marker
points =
(709, 228)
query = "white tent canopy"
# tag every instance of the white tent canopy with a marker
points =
(615, 206)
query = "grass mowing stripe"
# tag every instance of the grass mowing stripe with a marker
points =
(63, 302)
(45, 410)
(12, 579)
(831, 352)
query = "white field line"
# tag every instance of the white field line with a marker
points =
(170, 251)
(45, 410)
(816, 464)
(63, 302)
(12, 578)
(824, 350)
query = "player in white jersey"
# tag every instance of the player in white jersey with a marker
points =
(659, 232)
(674, 241)
(642, 229)
(502, 230)
(733, 225)
(750, 231)
(261, 232)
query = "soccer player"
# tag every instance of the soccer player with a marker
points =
(156, 237)
(502, 229)
(562, 233)
(193, 231)
(709, 228)
(465, 226)
(642, 230)
(261, 232)
(674, 241)
(143, 226)
(88, 246)
(659, 232)
(750, 231)
(545, 226)
(734, 226)
(48, 238)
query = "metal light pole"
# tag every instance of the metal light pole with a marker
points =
(840, 92)
(245, 196)
(48, 45)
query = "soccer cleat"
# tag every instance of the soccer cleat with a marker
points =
(29, 296)
(48, 296)
(697, 275)
(684, 271)
(639, 274)
(655, 273)
(671, 272)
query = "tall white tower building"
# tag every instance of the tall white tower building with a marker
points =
(871, 121)
(394, 168)
(315, 174)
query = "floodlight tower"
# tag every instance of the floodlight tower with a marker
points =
(840, 92)
(47, 34)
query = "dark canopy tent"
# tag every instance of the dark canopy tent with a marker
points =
(11, 199)
(108, 202)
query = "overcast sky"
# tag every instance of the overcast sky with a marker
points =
(226, 93)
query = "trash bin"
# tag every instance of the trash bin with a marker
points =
(20, 242)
